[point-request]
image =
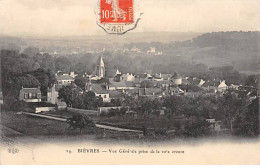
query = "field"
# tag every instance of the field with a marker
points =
(44, 129)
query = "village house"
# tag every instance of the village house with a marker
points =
(53, 94)
(215, 86)
(98, 90)
(121, 85)
(30, 95)
(64, 79)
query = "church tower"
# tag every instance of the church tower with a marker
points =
(100, 68)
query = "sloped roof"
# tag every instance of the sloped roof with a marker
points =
(31, 90)
(98, 89)
(64, 77)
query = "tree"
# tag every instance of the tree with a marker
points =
(65, 93)
(196, 128)
(145, 106)
(63, 64)
(46, 78)
(48, 62)
(90, 101)
(232, 107)
(247, 121)
(156, 106)
(174, 104)
(81, 81)
(131, 102)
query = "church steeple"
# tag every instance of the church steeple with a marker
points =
(100, 68)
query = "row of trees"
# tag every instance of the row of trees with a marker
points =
(240, 114)
(13, 61)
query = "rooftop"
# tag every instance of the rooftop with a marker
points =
(97, 88)
(31, 90)
(64, 77)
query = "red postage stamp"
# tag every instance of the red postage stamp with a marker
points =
(116, 11)
(118, 16)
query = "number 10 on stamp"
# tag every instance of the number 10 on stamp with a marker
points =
(116, 11)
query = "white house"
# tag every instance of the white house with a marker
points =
(30, 94)
(64, 79)
(53, 94)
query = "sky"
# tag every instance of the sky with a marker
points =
(77, 17)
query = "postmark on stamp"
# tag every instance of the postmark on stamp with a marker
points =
(118, 16)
